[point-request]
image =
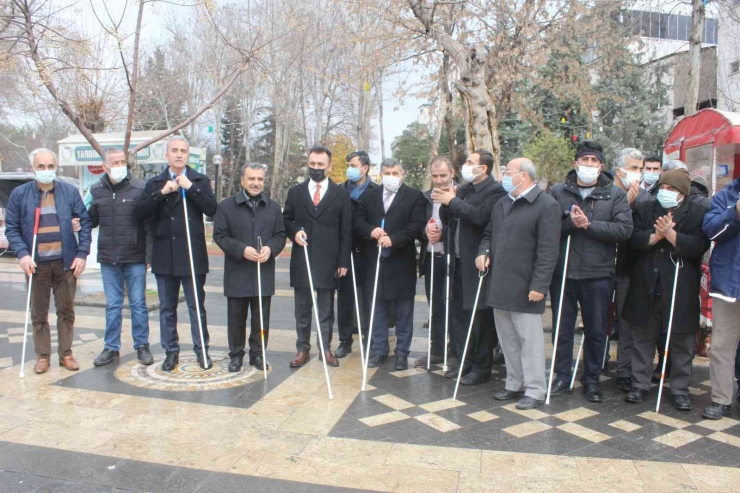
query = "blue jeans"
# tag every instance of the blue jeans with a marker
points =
(133, 276)
(404, 326)
(594, 296)
(169, 294)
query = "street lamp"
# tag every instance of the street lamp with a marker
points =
(217, 160)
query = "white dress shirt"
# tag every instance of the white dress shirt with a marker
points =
(388, 198)
(322, 191)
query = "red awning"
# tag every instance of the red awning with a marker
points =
(708, 126)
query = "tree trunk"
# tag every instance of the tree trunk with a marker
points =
(379, 93)
(697, 31)
(438, 121)
(277, 164)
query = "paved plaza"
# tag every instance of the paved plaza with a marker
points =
(127, 427)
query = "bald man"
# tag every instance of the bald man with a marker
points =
(523, 241)
(59, 258)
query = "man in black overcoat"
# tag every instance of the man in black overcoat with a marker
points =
(249, 228)
(666, 232)
(467, 213)
(402, 208)
(318, 216)
(162, 200)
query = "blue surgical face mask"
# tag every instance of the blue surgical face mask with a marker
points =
(354, 174)
(508, 183)
(651, 177)
(46, 176)
(668, 199)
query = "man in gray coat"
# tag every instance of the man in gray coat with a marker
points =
(523, 238)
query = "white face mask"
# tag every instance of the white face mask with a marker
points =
(668, 198)
(467, 172)
(588, 175)
(651, 177)
(118, 174)
(630, 177)
(46, 176)
(391, 183)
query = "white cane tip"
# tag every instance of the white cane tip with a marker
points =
(21, 375)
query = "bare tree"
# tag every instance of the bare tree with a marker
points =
(698, 14)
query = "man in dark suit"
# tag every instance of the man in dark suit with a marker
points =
(467, 213)
(358, 182)
(432, 245)
(318, 216)
(249, 228)
(402, 208)
(162, 200)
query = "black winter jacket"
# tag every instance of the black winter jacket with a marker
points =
(123, 237)
(592, 250)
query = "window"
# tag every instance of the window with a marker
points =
(684, 27)
(711, 27)
(668, 26)
(735, 66)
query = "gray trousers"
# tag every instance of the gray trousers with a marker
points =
(681, 352)
(522, 341)
(624, 349)
(725, 339)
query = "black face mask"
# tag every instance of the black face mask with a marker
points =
(316, 174)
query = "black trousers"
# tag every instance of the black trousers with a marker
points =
(346, 315)
(237, 311)
(483, 335)
(438, 307)
(304, 316)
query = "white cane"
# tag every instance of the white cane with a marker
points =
(678, 264)
(431, 303)
(259, 298)
(37, 216)
(192, 275)
(481, 275)
(357, 309)
(316, 315)
(372, 313)
(578, 359)
(612, 309)
(447, 313)
(557, 324)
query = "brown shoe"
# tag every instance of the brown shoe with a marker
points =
(300, 359)
(42, 366)
(331, 360)
(69, 363)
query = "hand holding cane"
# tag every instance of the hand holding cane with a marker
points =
(192, 275)
(37, 216)
(357, 308)
(481, 275)
(678, 263)
(259, 298)
(557, 324)
(372, 313)
(316, 315)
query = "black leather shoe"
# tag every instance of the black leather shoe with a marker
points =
(506, 395)
(682, 402)
(107, 356)
(498, 356)
(401, 363)
(559, 387)
(257, 362)
(375, 360)
(144, 355)
(624, 384)
(207, 365)
(635, 395)
(476, 377)
(170, 361)
(235, 364)
(452, 372)
(527, 402)
(593, 392)
(343, 350)
(716, 411)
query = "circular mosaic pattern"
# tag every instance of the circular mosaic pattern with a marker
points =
(187, 376)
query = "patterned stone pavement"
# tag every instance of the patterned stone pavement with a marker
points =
(125, 427)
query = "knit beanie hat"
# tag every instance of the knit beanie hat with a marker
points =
(678, 179)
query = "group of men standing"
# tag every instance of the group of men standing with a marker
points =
(635, 235)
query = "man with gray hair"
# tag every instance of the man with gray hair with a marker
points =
(523, 239)
(401, 209)
(59, 258)
(125, 245)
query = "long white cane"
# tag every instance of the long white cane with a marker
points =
(678, 263)
(357, 309)
(557, 324)
(447, 313)
(37, 216)
(192, 275)
(578, 359)
(372, 313)
(481, 275)
(612, 314)
(259, 300)
(431, 304)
